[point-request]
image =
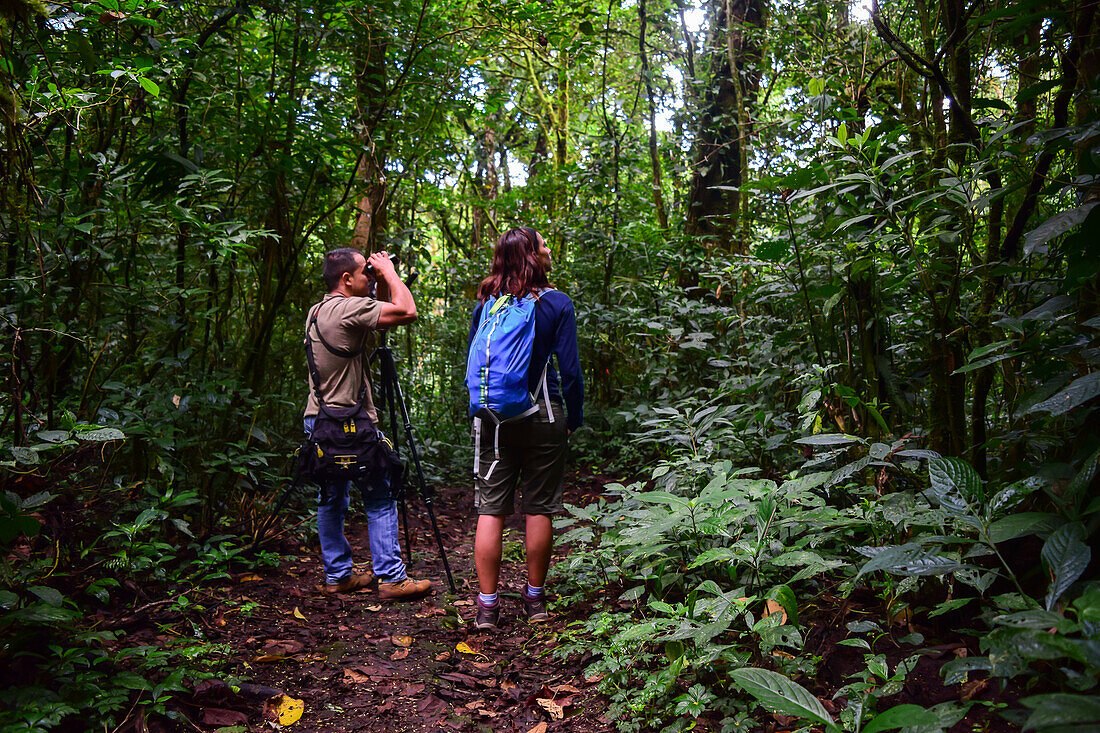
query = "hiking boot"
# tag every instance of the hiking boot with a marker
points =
(487, 616)
(404, 590)
(535, 608)
(350, 584)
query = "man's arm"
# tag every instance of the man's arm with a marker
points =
(401, 308)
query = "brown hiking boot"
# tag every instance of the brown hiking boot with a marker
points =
(487, 616)
(535, 608)
(350, 584)
(404, 590)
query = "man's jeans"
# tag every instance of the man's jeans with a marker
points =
(385, 549)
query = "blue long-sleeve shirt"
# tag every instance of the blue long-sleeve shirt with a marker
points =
(555, 335)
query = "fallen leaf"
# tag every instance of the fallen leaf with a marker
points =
(464, 603)
(298, 614)
(540, 728)
(972, 688)
(355, 678)
(287, 709)
(373, 608)
(563, 688)
(593, 679)
(249, 578)
(442, 656)
(555, 710)
(270, 658)
(399, 654)
(772, 607)
(405, 641)
(283, 646)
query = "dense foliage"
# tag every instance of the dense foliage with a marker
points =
(838, 283)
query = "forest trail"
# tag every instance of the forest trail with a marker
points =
(361, 665)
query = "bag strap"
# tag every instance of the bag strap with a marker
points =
(312, 364)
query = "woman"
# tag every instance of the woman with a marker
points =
(528, 452)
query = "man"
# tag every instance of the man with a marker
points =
(346, 315)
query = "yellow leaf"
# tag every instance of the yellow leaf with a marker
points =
(405, 641)
(298, 614)
(467, 649)
(286, 709)
(249, 578)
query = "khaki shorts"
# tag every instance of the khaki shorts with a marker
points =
(532, 457)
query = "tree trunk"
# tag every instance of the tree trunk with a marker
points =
(715, 204)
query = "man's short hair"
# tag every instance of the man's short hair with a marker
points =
(337, 262)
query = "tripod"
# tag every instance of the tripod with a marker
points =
(391, 397)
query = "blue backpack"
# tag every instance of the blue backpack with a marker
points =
(497, 368)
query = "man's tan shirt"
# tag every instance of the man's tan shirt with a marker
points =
(345, 323)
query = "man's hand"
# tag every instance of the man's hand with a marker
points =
(401, 308)
(382, 265)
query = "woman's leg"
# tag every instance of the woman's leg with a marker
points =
(540, 543)
(487, 551)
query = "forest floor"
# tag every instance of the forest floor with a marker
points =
(358, 664)
(355, 663)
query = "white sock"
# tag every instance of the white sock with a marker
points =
(487, 599)
(533, 592)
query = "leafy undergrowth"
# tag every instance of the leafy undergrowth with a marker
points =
(911, 601)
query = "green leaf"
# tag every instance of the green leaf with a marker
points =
(956, 670)
(1079, 391)
(900, 716)
(1023, 523)
(780, 694)
(953, 482)
(1055, 226)
(1061, 709)
(101, 435)
(830, 439)
(1075, 492)
(1067, 556)
(149, 86)
(949, 606)
(49, 595)
(25, 455)
(784, 596)
(53, 436)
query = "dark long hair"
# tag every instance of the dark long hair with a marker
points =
(517, 268)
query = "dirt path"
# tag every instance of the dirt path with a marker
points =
(360, 665)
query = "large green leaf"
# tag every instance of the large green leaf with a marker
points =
(1023, 523)
(1054, 226)
(1078, 392)
(900, 716)
(1076, 491)
(1067, 556)
(778, 693)
(954, 483)
(1061, 709)
(829, 439)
